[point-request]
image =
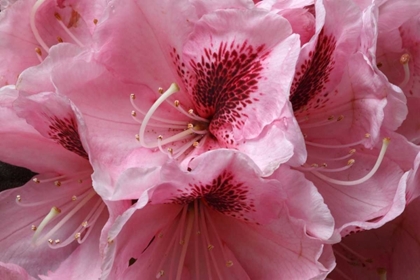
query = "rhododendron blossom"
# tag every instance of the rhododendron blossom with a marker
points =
(58, 209)
(209, 222)
(29, 28)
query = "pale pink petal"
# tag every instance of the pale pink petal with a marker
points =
(13, 272)
(391, 251)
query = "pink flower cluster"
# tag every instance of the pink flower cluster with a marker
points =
(197, 139)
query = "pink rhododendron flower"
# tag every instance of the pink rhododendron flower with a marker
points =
(209, 84)
(44, 221)
(391, 252)
(341, 106)
(222, 221)
(29, 28)
(398, 55)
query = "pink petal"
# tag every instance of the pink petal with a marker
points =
(12, 271)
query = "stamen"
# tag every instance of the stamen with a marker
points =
(60, 22)
(367, 135)
(138, 110)
(375, 168)
(33, 26)
(186, 146)
(185, 246)
(190, 112)
(328, 121)
(53, 213)
(165, 125)
(327, 170)
(350, 154)
(405, 58)
(38, 54)
(63, 220)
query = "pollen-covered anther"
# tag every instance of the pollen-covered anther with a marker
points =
(190, 125)
(314, 165)
(77, 235)
(36, 180)
(33, 227)
(330, 118)
(85, 224)
(133, 113)
(133, 96)
(57, 16)
(324, 165)
(57, 183)
(74, 198)
(110, 240)
(160, 274)
(229, 263)
(57, 241)
(160, 137)
(95, 21)
(160, 90)
(340, 118)
(382, 273)
(367, 135)
(351, 162)
(38, 51)
(176, 103)
(170, 150)
(137, 137)
(59, 39)
(195, 144)
(50, 241)
(190, 111)
(18, 198)
(210, 247)
(405, 58)
(352, 151)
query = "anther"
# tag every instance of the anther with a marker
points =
(18, 198)
(190, 111)
(132, 96)
(176, 103)
(160, 274)
(110, 240)
(341, 117)
(57, 16)
(77, 235)
(33, 227)
(352, 151)
(133, 113)
(324, 165)
(314, 165)
(210, 247)
(95, 21)
(36, 180)
(137, 137)
(80, 181)
(195, 144)
(50, 241)
(38, 51)
(351, 162)
(330, 118)
(160, 90)
(229, 263)
(74, 198)
(160, 137)
(57, 241)
(85, 224)
(57, 183)
(59, 39)
(170, 150)
(190, 125)
(404, 59)
(367, 135)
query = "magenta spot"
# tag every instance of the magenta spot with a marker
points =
(64, 132)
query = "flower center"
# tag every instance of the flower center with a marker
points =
(186, 133)
(317, 153)
(76, 208)
(192, 232)
(74, 17)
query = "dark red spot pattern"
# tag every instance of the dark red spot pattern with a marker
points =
(224, 194)
(222, 83)
(64, 132)
(309, 82)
